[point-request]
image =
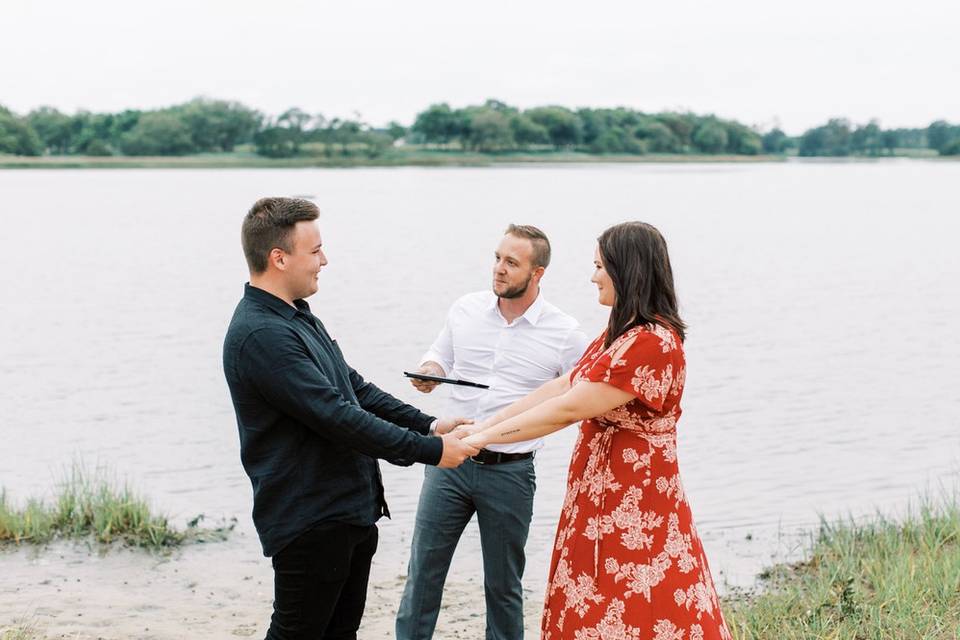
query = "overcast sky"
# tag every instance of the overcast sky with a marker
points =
(762, 62)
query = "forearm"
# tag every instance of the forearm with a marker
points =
(584, 400)
(545, 417)
(556, 387)
(385, 406)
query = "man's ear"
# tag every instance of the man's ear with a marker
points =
(538, 272)
(276, 258)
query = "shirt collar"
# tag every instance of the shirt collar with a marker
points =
(532, 314)
(273, 302)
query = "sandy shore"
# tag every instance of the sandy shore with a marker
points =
(217, 590)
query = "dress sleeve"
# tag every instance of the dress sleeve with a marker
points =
(639, 362)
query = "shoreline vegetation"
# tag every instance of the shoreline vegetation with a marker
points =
(879, 578)
(90, 506)
(875, 577)
(393, 158)
(218, 133)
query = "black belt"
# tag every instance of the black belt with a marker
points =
(496, 457)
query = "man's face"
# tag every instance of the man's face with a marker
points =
(513, 268)
(303, 263)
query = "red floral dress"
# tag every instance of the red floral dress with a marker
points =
(628, 563)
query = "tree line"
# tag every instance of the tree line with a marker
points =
(219, 126)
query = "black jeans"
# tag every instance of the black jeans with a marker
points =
(320, 583)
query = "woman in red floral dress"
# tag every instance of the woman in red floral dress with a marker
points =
(627, 563)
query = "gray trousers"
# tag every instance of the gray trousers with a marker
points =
(502, 497)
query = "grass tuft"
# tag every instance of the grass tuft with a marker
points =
(90, 505)
(864, 580)
(21, 631)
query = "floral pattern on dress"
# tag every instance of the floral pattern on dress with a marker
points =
(627, 562)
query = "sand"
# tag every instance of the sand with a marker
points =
(214, 590)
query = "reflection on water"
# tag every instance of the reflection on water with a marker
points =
(823, 363)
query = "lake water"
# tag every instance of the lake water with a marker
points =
(822, 298)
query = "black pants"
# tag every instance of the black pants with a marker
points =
(320, 583)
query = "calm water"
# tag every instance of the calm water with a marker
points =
(822, 298)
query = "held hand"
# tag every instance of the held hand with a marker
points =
(468, 428)
(477, 440)
(455, 451)
(431, 369)
(447, 425)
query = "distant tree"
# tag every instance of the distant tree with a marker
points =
(742, 140)
(99, 134)
(490, 130)
(682, 125)
(710, 137)
(951, 148)
(295, 119)
(440, 124)
(527, 132)
(618, 140)
(941, 134)
(54, 128)
(396, 130)
(657, 137)
(376, 143)
(277, 142)
(218, 125)
(866, 139)
(563, 126)
(17, 137)
(774, 141)
(911, 138)
(890, 140)
(831, 139)
(609, 130)
(158, 133)
(499, 106)
(344, 133)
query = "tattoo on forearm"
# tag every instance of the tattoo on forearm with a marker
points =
(506, 433)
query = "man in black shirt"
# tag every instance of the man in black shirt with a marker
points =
(311, 430)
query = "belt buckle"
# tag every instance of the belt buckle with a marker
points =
(476, 458)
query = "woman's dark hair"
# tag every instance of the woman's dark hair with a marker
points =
(636, 259)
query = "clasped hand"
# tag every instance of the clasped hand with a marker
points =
(455, 449)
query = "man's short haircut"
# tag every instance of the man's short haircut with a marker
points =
(269, 225)
(541, 245)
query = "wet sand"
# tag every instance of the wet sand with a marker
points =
(213, 591)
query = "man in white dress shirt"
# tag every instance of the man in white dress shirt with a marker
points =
(513, 340)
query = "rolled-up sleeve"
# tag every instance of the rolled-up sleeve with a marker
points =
(279, 367)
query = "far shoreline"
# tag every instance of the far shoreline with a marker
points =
(418, 159)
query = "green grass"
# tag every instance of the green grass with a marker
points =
(92, 506)
(881, 579)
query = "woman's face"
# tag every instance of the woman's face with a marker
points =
(605, 293)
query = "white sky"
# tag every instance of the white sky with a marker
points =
(759, 61)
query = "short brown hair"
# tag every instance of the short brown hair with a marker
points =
(269, 225)
(541, 245)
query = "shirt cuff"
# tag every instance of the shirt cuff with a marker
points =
(433, 427)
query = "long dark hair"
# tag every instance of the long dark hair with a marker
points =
(636, 259)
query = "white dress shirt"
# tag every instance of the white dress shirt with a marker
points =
(514, 358)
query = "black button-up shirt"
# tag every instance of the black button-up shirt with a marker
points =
(310, 426)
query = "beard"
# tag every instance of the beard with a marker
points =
(515, 291)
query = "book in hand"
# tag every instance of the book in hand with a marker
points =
(462, 383)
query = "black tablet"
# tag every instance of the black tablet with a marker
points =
(462, 383)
